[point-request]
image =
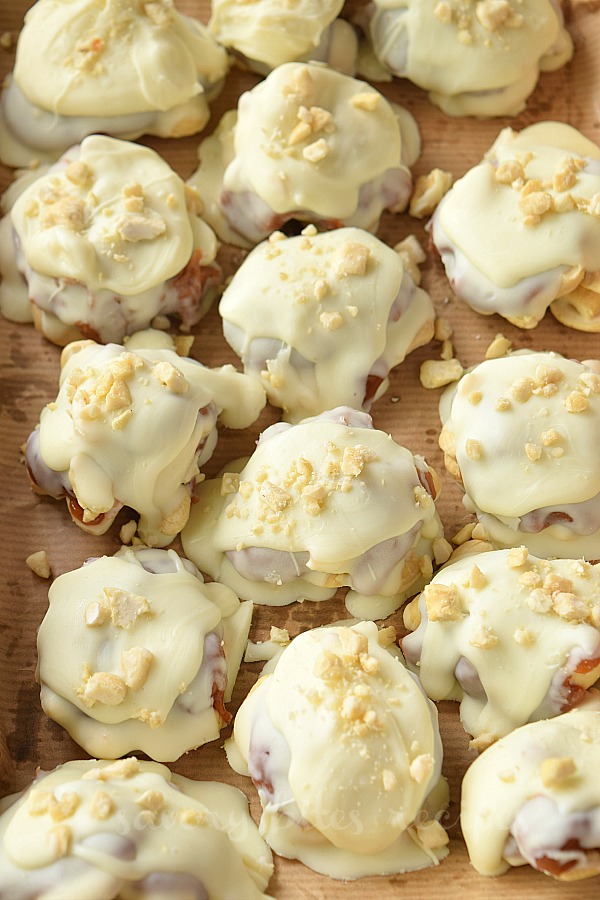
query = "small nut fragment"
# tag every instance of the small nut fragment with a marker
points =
(316, 151)
(352, 642)
(575, 402)
(429, 190)
(275, 497)
(435, 373)
(59, 839)
(509, 171)
(350, 259)
(101, 806)
(367, 100)
(63, 807)
(443, 602)
(474, 449)
(517, 557)
(39, 564)
(533, 451)
(96, 614)
(104, 687)
(499, 347)
(331, 321)
(125, 607)
(230, 483)
(483, 638)
(170, 376)
(555, 770)
(134, 227)
(135, 665)
(432, 835)
(127, 532)
(421, 768)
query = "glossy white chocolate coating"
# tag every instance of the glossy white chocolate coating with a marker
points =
(530, 422)
(99, 239)
(302, 144)
(326, 503)
(549, 167)
(131, 428)
(314, 316)
(512, 772)
(140, 67)
(144, 618)
(479, 59)
(131, 829)
(516, 620)
(349, 744)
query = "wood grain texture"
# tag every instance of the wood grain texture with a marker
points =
(29, 369)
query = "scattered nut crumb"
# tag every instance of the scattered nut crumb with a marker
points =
(39, 564)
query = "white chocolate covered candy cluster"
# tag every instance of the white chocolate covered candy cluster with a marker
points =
(474, 59)
(521, 434)
(310, 144)
(103, 242)
(154, 654)
(130, 830)
(322, 318)
(534, 797)
(326, 503)
(520, 232)
(121, 67)
(491, 623)
(132, 429)
(344, 749)
(269, 33)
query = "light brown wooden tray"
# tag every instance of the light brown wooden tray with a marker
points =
(29, 368)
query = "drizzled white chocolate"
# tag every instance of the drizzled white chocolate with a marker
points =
(154, 653)
(529, 422)
(131, 429)
(537, 192)
(270, 33)
(306, 143)
(326, 503)
(141, 67)
(345, 751)
(92, 828)
(488, 624)
(103, 242)
(322, 318)
(549, 766)
(474, 59)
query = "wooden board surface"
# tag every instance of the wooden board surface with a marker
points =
(29, 368)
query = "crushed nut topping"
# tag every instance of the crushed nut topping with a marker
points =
(499, 347)
(367, 100)
(421, 768)
(101, 806)
(435, 373)
(331, 321)
(125, 607)
(517, 557)
(103, 687)
(316, 151)
(555, 770)
(60, 838)
(524, 637)
(135, 665)
(351, 258)
(170, 376)
(483, 638)
(230, 483)
(38, 563)
(443, 602)
(428, 191)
